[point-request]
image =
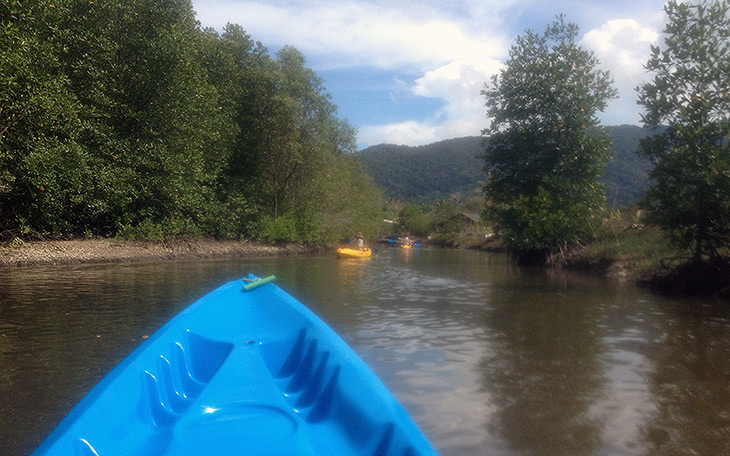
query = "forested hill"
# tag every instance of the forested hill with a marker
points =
(435, 171)
(426, 172)
(626, 176)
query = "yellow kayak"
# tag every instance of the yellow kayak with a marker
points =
(406, 246)
(354, 253)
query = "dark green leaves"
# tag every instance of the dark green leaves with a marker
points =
(544, 152)
(689, 95)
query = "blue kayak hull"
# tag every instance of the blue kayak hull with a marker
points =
(240, 373)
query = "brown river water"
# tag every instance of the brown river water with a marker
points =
(487, 358)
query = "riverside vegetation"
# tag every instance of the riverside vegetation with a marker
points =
(545, 151)
(544, 156)
(127, 119)
(131, 121)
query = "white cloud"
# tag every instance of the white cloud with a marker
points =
(409, 133)
(354, 33)
(452, 54)
(459, 84)
(441, 50)
(623, 47)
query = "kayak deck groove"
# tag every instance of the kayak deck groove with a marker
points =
(239, 373)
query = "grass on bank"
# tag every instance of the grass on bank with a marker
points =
(639, 250)
(626, 245)
(642, 252)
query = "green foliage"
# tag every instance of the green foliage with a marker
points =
(281, 229)
(43, 169)
(689, 95)
(16, 243)
(165, 230)
(627, 244)
(125, 118)
(447, 218)
(348, 201)
(537, 222)
(415, 219)
(543, 155)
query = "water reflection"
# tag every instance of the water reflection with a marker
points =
(690, 383)
(543, 373)
(421, 326)
(488, 358)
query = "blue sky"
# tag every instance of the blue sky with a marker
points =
(410, 72)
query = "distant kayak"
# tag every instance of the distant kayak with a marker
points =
(245, 370)
(354, 253)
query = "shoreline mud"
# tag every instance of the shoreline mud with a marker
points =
(89, 251)
(96, 251)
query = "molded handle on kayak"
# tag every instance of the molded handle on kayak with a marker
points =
(254, 284)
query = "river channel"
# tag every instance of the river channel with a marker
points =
(488, 358)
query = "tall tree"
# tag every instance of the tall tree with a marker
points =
(298, 159)
(544, 153)
(43, 168)
(150, 114)
(240, 69)
(689, 95)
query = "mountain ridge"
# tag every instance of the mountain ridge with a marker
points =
(435, 171)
